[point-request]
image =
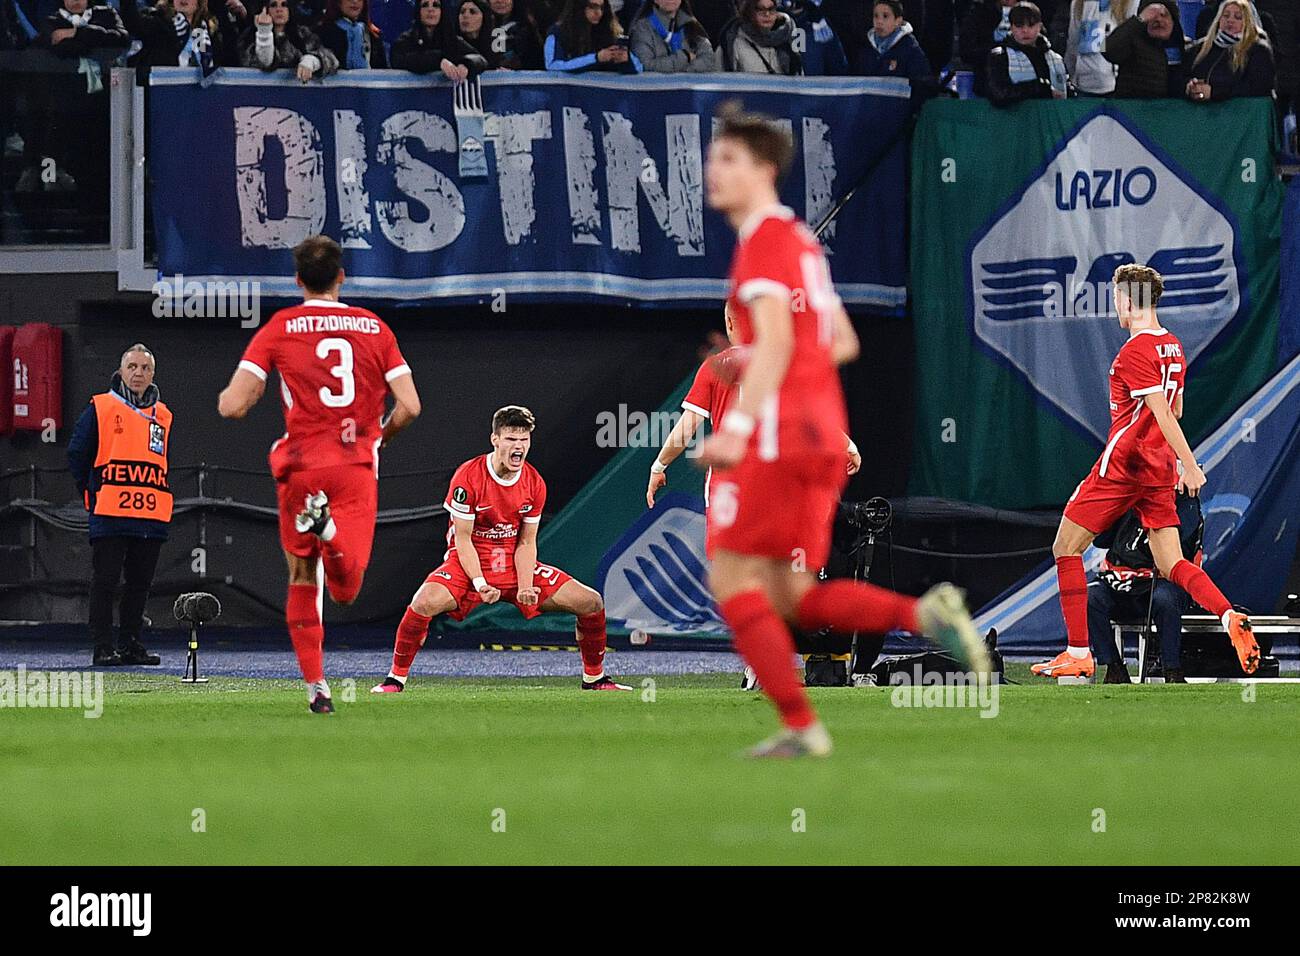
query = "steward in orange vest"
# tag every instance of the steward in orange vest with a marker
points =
(118, 456)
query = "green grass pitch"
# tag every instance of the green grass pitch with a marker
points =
(534, 771)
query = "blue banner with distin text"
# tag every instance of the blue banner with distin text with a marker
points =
(594, 187)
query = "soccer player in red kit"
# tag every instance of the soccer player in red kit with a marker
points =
(707, 400)
(495, 504)
(337, 365)
(778, 453)
(1138, 469)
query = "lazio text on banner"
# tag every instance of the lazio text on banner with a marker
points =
(1019, 219)
(594, 187)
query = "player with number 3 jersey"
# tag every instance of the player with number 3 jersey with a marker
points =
(1138, 469)
(337, 366)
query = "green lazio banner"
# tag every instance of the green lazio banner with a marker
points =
(1019, 218)
(649, 564)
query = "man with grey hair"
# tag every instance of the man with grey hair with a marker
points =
(118, 456)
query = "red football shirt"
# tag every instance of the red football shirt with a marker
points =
(335, 363)
(499, 507)
(1136, 450)
(708, 395)
(777, 255)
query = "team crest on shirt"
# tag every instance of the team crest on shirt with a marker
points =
(1038, 279)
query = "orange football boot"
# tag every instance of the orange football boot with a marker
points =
(1063, 665)
(1243, 640)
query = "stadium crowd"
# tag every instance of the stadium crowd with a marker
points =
(53, 52)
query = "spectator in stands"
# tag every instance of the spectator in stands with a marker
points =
(12, 34)
(1148, 51)
(472, 19)
(124, 426)
(1233, 59)
(852, 22)
(277, 41)
(587, 37)
(431, 44)
(80, 30)
(892, 48)
(1284, 38)
(985, 26)
(346, 31)
(760, 41)
(821, 52)
(667, 38)
(74, 117)
(233, 17)
(514, 36)
(176, 33)
(1088, 24)
(1024, 66)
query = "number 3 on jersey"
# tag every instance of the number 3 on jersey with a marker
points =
(342, 371)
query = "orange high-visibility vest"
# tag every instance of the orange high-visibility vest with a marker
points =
(131, 465)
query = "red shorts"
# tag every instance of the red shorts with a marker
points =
(452, 576)
(1099, 502)
(776, 509)
(353, 492)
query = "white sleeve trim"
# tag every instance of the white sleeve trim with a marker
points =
(702, 412)
(397, 372)
(1138, 393)
(532, 520)
(755, 288)
(254, 368)
(455, 511)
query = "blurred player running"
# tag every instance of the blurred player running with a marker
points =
(707, 400)
(495, 503)
(779, 450)
(337, 365)
(1138, 469)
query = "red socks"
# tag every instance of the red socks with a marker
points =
(848, 606)
(306, 631)
(1197, 583)
(591, 641)
(1073, 585)
(410, 638)
(763, 640)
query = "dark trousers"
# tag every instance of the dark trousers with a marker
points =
(114, 559)
(1167, 607)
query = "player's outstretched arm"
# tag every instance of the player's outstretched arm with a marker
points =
(1193, 479)
(238, 398)
(469, 562)
(406, 406)
(674, 445)
(845, 346)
